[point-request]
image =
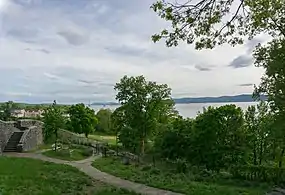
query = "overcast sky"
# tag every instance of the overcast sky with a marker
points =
(76, 50)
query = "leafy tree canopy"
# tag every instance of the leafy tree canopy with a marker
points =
(208, 23)
(82, 119)
(104, 120)
(144, 105)
(53, 121)
(271, 57)
(5, 110)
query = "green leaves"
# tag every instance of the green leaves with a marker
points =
(209, 23)
(144, 105)
(271, 58)
(104, 121)
(53, 121)
(82, 119)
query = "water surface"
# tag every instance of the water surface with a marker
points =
(191, 110)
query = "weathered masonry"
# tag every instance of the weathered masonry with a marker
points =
(20, 136)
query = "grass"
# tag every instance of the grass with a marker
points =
(183, 183)
(70, 154)
(110, 139)
(21, 176)
(40, 147)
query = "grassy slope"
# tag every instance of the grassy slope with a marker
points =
(175, 182)
(104, 138)
(65, 155)
(34, 177)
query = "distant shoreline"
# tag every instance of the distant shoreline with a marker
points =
(187, 100)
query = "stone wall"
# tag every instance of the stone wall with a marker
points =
(33, 135)
(69, 137)
(6, 130)
(26, 123)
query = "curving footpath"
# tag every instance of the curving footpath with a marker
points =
(85, 166)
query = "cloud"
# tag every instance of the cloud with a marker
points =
(76, 51)
(73, 38)
(45, 51)
(74, 35)
(246, 85)
(202, 68)
(241, 61)
(24, 34)
(252, 44)
(126, 50)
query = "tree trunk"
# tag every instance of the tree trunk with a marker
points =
(143, 146)
(281, 157)
(117, 149)
(274, 151)
(55, 143)
(254, 154)
(261, 153)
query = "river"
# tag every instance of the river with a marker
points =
(190, 110)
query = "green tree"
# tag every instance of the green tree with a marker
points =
(144, 104)
(208, 23)
(271, 58)
(174, 142)
(118, 122)
(82, 119)
(53, 121)
(259, 124)
(104, 121)
(6, 110)
(219, 140)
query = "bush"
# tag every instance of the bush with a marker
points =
(260, 173)
(181, 166)
(87, 152)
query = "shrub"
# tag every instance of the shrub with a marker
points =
(259, 173)
(87, 152)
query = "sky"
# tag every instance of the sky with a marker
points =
(76, 50)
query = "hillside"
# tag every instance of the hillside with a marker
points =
(236, 98)
(187, 100)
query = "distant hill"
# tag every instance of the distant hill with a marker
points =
(188, 100)
(104, 103)
(236, 98)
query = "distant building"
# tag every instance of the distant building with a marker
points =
(18, 113)
(33, 114)
(22, 113)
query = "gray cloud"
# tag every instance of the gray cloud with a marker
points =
(114, 40)
(45, 51)
(85, 81)
(203, 68)
(253, 43)
(22, 33)
(241, 61)
(74, 38)
(246, 85)
(126, 50)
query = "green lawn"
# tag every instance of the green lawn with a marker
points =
(72, 154)
(21, 176)
(177, 182)
(110, 139)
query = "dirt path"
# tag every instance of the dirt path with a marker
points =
(85, 166)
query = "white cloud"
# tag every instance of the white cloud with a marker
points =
(77, 51)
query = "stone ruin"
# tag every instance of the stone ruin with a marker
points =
(20, 136)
